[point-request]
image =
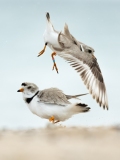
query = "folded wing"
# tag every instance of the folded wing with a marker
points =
(53, 96)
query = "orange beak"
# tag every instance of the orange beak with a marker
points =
(20, 90)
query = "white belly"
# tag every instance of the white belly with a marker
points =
(45, 110)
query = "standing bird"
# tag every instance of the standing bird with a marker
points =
(80, 56)
(51, 103)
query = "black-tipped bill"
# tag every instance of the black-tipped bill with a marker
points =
(20, 90)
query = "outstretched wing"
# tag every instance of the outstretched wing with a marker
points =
(85, 63)
(53, 96)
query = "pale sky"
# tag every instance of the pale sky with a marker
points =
(22, 23)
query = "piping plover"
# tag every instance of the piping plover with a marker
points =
(80, 56)
(51, 103)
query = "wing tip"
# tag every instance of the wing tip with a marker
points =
(101, 103)
(104, 105)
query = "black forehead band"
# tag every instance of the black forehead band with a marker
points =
(23, 84)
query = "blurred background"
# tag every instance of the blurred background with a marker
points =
(22, 23)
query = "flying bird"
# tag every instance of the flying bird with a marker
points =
(80, 56)
(51, 103)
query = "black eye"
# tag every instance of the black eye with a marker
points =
(89, 51)
(23, 84)
(29, 87)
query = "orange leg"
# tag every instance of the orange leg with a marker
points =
(51, 119)
(41, 52)
(54, 64)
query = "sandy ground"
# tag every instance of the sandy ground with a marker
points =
(59, 143)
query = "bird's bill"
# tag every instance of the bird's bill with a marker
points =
(20, 90)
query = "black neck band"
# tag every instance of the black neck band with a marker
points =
(28, 100)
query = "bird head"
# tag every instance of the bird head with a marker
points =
(28, 89)
(87, 49)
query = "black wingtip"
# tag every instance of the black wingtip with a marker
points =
(82, 104)
(87, 109)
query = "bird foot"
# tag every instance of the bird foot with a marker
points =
(51, 119)
(54, 64)
(41, 52)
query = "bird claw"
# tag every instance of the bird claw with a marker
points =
(40, 53)
(54, 66)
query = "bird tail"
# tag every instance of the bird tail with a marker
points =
(73, 109)
(78, 108)
(75, 96)
(48, 16)
(82, 107)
